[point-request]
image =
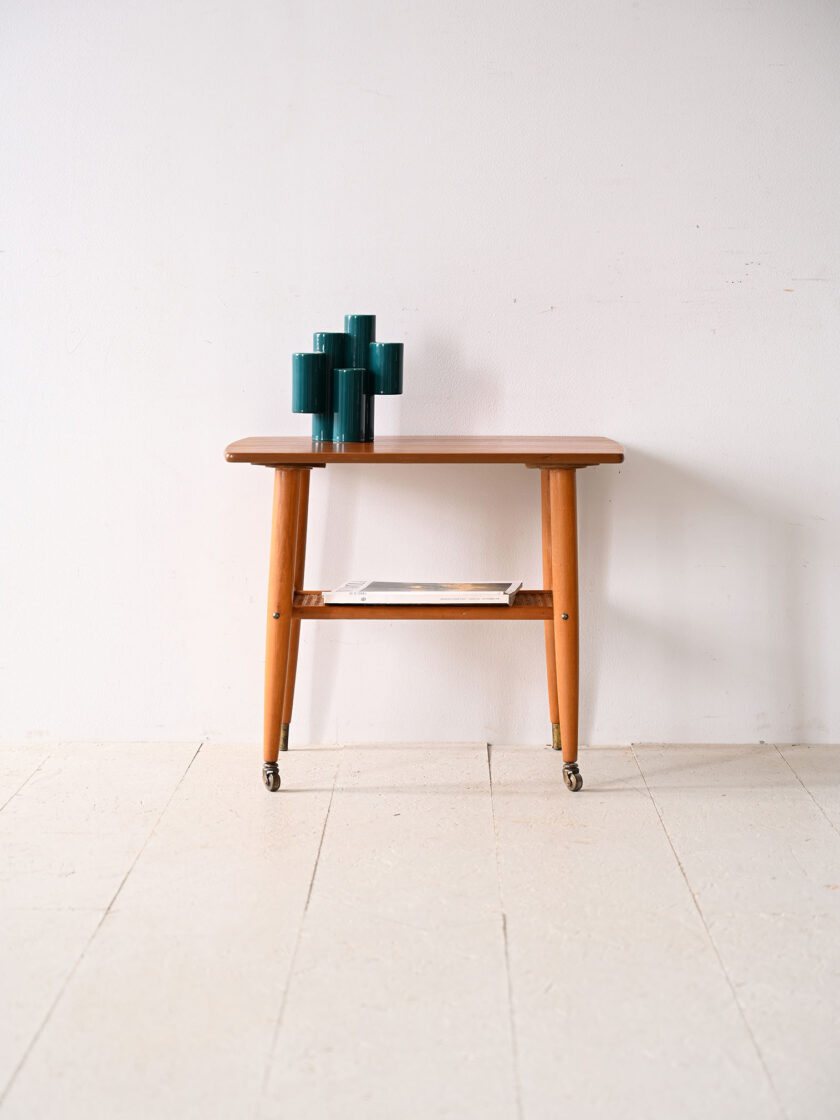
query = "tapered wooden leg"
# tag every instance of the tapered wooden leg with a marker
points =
(294, 632)
(550, 662)
(564, 586)
(279, 623)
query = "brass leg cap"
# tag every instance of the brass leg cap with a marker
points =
(555, 737)
(284, 736)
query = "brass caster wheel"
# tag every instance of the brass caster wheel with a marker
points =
(271, 776)
(572, 777)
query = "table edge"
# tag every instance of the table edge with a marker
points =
(320, 458)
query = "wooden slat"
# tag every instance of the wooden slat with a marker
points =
(526, 606)
(532, 451)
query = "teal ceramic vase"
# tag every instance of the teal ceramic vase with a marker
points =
(338, 381)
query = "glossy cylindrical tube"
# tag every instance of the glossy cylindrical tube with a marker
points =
(385, 362)
(309, 377)
(334, 345)
(362, 331)
(348, 405)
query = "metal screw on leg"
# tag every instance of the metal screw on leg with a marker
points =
(276, 615)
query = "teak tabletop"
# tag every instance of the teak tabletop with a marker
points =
(532, 451)
(558, 459)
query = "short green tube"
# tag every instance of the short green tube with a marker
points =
(385, 361)
(348, 405)
(309, 377)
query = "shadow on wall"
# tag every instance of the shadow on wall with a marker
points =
(446, 396)
(698, 606)
(709, 623)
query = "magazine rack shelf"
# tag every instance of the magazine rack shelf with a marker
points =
(558, 460)
(528, 606)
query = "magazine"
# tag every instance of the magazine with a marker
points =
(386, 591)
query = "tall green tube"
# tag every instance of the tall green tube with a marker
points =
(362, 331)
(334, 345)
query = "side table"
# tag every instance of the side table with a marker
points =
(557, 458)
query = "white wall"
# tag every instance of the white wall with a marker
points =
(614, 218)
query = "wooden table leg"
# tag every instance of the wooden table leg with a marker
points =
(550, 661)
(564, 586)
(294, 632)
(279, 623)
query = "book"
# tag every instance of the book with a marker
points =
(385, 591)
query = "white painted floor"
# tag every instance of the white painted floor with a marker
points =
(396, 935)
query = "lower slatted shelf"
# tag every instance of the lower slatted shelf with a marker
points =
(528, 605)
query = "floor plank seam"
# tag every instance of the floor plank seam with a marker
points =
(68, 978)
(285, 996)
(790, 767)
(25, 782)
(512, 1022)
(711, 939)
